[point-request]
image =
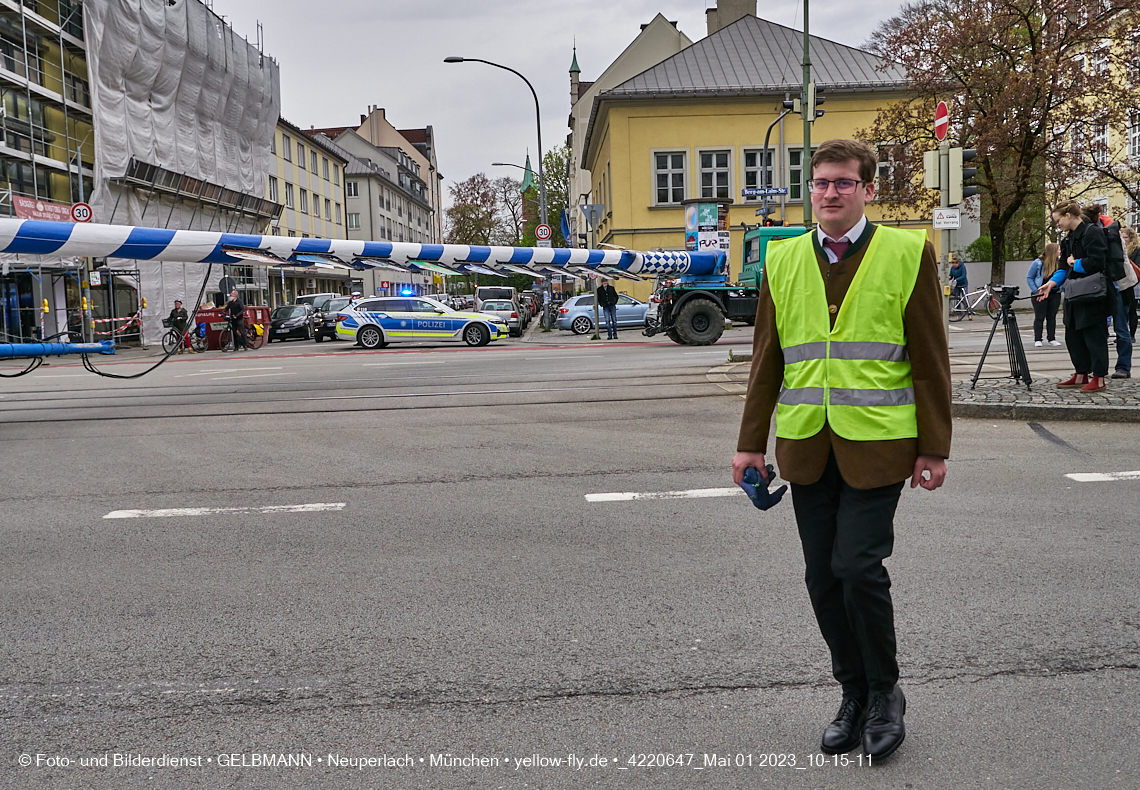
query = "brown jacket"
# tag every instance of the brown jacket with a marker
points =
(863, 464)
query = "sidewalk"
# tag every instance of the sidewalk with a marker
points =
(1003, 398)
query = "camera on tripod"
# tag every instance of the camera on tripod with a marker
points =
(1006, 293)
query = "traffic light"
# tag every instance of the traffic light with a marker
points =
(962, 183)
(930, 176)
(773, 223)
(815, 98)
(791, 104)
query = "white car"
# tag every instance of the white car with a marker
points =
(374, 323)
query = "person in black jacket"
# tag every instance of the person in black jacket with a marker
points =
(235, 314)
(1086, 325)
(607, 300)
(179, 321)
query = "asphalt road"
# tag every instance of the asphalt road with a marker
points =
(391, 555)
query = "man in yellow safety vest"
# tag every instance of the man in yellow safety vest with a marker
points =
(851, 353)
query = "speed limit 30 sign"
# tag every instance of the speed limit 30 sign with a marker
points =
(543, 232)
(81, 212)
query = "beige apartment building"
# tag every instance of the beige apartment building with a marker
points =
(307, 178)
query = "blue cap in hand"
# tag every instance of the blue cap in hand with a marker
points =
(756, 486)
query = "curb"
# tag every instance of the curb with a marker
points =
(1029, 411)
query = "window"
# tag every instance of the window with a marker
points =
(352, 189)
(1133, 211)
(353, 220)
(669, 171)
(1099, 143)
(292, 234)
(328, 209)
(795, 173)
(273, 189)
(714, 174)
(757, 170)
(286, 148)
(314, 163)
(304, 204)
(336, 174)
(338, 213)
(288, 195)
(324, 166)
(1134, 135)
(892, 176)
(1077, 145)
(273, 143)
(386, 204)
(316, 206)
(300, 156)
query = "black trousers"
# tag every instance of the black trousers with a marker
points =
(1045, 314)
(846, 534)
(1088, 348)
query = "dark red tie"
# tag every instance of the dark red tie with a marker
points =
(838, 247)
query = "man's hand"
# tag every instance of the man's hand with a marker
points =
(742, 461)
(926, 463)
(1045, 289)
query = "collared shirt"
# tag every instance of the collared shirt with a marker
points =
(852, 236)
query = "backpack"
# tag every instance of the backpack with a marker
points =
(1114, 265)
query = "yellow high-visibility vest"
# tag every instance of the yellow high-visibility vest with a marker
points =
(857, 375)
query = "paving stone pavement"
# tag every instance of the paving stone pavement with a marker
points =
(1007, 399)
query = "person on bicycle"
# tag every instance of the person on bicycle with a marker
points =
(179, 321)
(235, 314)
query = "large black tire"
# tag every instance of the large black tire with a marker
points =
(476, 335)
(672, 335)
(370, 337)
(699, 323)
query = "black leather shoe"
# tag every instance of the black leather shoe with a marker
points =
(844, 734)
(884, 730)
(1121, 374)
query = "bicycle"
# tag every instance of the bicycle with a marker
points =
(173, 339)
(964, 304)
(254, 337)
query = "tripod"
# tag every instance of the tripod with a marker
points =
(1018, 365)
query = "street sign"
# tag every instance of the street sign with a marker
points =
(763, 191)
(81, 212)
(542, 232)
(947, 219)
(941, 120)
(543, 242)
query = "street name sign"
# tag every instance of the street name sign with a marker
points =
(763, 191)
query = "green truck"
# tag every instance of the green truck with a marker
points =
(691, 311)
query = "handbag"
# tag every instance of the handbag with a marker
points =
(1130, 277)
(1079, 290)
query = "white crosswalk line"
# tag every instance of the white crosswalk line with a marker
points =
(314, 507)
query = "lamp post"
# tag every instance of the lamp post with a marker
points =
(538, 117)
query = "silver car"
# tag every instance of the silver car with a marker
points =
(508, 311)
(577, 313)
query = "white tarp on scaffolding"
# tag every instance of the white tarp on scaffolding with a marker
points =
(173, 85)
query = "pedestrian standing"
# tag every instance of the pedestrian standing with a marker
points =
(607, 300)
(1045, 311)
(1120, 280)
(235, 314)
(1086, 330)
(850, 352)
(1132, 247)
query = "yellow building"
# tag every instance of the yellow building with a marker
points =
(693, 126)
(307, 178)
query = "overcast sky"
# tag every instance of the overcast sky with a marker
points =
(339, 56)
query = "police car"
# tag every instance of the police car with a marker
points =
(374, 323)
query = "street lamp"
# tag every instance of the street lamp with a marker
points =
(541, 178)
(538, 117)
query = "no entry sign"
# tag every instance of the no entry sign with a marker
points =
(941, 120)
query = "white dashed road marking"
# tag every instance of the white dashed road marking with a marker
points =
(211, 511)
(696, 493)
(1103, 477)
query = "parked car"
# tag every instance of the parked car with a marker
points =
(324, 321)
(316, 301)
(495, 292)
(290, 321)
(577, 313)
(374, 323)
(507, 311)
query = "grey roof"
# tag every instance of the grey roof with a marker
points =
(753, 56)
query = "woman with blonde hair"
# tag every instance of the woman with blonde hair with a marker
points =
(1045, 311)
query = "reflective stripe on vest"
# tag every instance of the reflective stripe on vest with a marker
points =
(855, 376)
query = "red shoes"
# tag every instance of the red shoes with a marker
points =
(1077, 380)
(1096, 384)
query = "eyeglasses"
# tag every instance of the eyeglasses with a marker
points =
(844, 186)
